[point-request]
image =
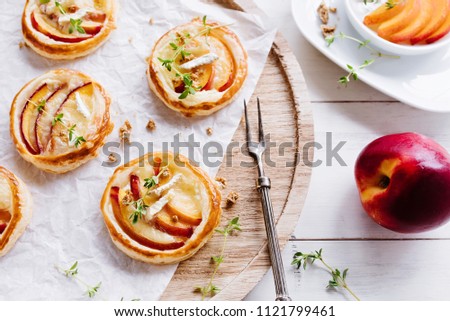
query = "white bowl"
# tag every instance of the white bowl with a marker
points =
(357, 10)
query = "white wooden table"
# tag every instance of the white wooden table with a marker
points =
(383, 265)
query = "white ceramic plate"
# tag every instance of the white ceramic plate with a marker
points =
(356, 10)
(421, 81)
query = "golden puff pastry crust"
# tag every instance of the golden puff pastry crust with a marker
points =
(59, 120)
(15, 209)
(67, 29)
(197, 68)
(160, 209)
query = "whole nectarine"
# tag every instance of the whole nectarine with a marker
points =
(404, 182)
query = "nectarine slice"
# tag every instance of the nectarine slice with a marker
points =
(423, 19)
(5, 217)
(399, 22)
(135, 186)
(383, 13)
(165, 222)
(441, 9)
(185, 207)
(441, 32)
(29, 116)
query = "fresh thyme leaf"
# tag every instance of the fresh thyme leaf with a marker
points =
(41, 105)
(75, 24)
(71, 131)
(79, 140)
(173, 45)
(329, 40)
(150, 182)
(204, 20)
(44, 1)
(57, 119)
(72, 271)
(60, 8)
(390, 4)
(338, 279)
(139, 210)
(167, 63)
(92, 291)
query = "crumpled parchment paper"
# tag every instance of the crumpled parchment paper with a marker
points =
(67, 225)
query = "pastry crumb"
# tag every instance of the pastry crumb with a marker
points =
(221, 181)
(323, 12)
(112, 158)
(151, 125)
(333, 9)
(128, 198)
(130, 40)
(125, 132)
(209, 131)
(151, 21)
(327, 31)
(22, 44)
(175, 219)
(232, 198)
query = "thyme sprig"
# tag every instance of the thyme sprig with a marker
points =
(210, 289)
(72, 273)
(338, 278)
(389, 4)
(58, 119)
(352, 71)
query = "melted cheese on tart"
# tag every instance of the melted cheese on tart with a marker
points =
(57, 108)
(177, 188)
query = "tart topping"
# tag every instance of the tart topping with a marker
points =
(158, 191)
(125, 132)
(158, 205)
(151, 125)
(81, 106)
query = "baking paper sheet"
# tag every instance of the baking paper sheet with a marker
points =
(67, 224)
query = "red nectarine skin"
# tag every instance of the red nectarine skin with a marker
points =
(441, 9)
(441, 32)
(411, 196)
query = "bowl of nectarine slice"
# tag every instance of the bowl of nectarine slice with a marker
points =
(403, 27)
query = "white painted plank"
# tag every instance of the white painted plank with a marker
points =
(378, 270)
(332, 209)
(320, 73)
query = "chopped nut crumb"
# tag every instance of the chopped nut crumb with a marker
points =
(151, 21)
(175, 219)
(22, 44)
(327, 31)
(151, 125)
(209, 131)
(333, 9)
(125, 132)
(221, 181)
(112, 158)
(130, 40)
(232, 198)
(323, 12)
(128, 198)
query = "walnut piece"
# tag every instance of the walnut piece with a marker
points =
(125, 132)
(128, 198)
(112, 158)
(22, 44)
(333, 9)
(151, 125)
(209, 131)
(232, 198)
(323, 12)
(151, 21)
(221, 181)
(327, 31)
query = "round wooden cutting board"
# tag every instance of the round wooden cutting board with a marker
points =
(288, 119)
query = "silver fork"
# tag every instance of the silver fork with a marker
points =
(256, 150)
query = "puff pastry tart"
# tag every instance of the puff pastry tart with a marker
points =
(197, 68)
(60, 120)
(160, 209)
(15, 209)
(67, 29)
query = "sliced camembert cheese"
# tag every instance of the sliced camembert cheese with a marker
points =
(158, 205)
(81, 106)
(200, 61)
(158, 191)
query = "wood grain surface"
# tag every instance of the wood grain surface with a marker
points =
(288, 119)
